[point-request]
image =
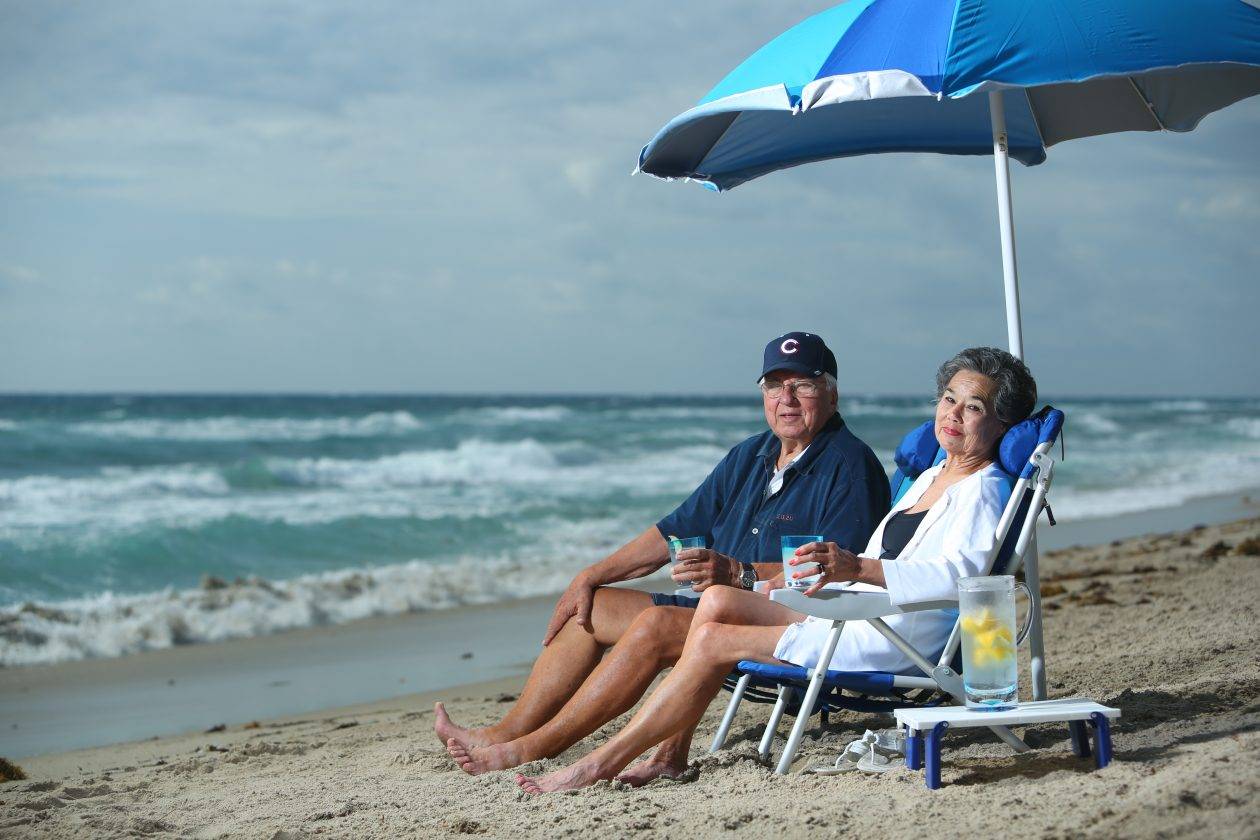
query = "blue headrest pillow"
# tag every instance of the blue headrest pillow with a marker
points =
(917, 450)
(1021, 439)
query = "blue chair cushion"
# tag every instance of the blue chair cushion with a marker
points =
(866, 682)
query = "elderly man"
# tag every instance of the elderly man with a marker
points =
(808, 474)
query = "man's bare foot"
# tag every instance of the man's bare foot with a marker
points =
(446, 729)
(574, 776)
(644, 772)
(477, 760)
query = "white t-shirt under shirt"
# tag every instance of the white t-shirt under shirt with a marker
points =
(776, 480)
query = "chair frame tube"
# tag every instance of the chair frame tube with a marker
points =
(811, 695)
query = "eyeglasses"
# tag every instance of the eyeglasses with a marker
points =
(806, 388)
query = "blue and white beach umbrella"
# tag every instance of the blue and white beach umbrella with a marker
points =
(1003, 77)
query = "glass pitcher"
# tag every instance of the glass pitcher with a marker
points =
(986, 608)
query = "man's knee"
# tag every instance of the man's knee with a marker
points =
(614, 611)
(709, 639)
(720, 603)
(660, 630)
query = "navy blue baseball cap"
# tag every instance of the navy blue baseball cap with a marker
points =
(799, 352)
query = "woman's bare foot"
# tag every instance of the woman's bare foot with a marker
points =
(446, 729)
(574, 776)
(477, 760)
(645, 771)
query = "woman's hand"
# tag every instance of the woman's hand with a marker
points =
(770, 585)
(701, 568)
(834, 563)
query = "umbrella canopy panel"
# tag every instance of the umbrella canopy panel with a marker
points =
(896, 75)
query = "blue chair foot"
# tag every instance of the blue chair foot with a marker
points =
(1102, 739)
(1080, 738)
(933, 757)
(914, 750)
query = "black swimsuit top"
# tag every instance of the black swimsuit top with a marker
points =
(898, 531)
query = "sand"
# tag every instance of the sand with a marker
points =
(1162, 627)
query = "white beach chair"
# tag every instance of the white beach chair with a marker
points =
(1023, 452)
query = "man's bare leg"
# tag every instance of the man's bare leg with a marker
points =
(557, 673)
(676, 706)
(652, 643)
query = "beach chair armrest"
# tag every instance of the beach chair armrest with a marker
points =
(842, 605)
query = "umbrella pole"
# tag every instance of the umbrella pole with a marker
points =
(1010, 271)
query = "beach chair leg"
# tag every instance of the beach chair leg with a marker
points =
(729, 717)
(933, 757)
(1102, 739)
(914, 749)
(767, 739)
(811, 696)
(1080, 738)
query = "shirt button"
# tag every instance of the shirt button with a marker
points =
(754, 530)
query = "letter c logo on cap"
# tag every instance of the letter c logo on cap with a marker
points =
(789, 346)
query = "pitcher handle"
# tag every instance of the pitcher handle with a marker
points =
(1023, 633)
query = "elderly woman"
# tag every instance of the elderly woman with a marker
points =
(942, 529)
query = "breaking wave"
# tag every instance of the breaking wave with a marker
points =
(209, 429)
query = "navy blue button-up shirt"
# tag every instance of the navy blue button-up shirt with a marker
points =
(837, 489)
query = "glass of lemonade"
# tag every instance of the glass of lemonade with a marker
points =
(789, 545)
(986, 607)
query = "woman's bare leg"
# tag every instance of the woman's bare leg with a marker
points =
(725, 606)
(558, 672)
(670, 760)
(676, 706)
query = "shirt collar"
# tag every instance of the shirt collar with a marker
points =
(769, 451)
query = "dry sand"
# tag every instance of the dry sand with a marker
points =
(1162, 627)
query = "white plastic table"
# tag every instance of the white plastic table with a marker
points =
(930, 724)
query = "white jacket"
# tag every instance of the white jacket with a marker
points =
(953, 540)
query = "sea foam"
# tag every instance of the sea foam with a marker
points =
(235, 428)
(549, 552)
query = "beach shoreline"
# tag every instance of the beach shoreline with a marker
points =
(1186, 747)
(1186, 757)
(51, 709)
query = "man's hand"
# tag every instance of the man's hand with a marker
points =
(575, 604)
(704, 567)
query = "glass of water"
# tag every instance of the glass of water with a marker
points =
(986, 617)
(789, 546)
(676, 545)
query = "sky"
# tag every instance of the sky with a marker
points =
(437, 197)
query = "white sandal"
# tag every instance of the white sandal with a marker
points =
(875, 752)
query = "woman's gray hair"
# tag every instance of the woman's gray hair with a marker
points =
(1016, 394)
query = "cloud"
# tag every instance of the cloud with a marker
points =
(309, 195)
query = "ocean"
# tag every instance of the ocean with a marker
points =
(130, 523)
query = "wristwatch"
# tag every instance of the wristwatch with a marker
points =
(747, 575)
